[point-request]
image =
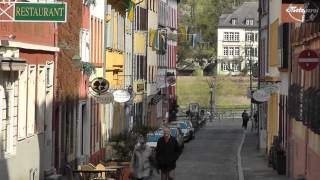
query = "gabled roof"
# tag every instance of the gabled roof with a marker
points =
(248, 10)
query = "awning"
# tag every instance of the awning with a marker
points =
(12, 64)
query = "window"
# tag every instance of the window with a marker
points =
(255, 52)
(252, 52)
(84, 45)
(256, 37)
(231, 36)
(236, 67)
(49, 74)
(234, 21)
(248, 51)
(236, 36)
(231, 51)
(249, 36)
(225, 66)
(226, 36)
(225, 51)
(249, 21)
(236, 51)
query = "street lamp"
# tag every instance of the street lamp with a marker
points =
(211, 100)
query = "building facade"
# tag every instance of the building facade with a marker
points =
(152, 65)
(28, 60)
(47, 108)
(237, 46)
(287, 118)
(303, 131)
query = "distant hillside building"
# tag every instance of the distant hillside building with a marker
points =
(238, 40)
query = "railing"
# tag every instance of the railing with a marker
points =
(228, 114)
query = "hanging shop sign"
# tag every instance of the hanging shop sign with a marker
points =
(261, 95)
(100, 85)
(138, 87)
(99, 91)
(106, 98)
(156, 99)
(121, 96)
(308, 60)
(301, 12)
(33, 12)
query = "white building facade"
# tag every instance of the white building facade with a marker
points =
(237, 46)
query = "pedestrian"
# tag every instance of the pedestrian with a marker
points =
(245, 119)
(255, 117)
(167, 153)
(142, 161)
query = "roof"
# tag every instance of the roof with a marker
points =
(248, 10)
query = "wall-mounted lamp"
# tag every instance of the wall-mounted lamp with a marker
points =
(4, 39)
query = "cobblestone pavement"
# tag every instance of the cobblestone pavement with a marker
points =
(212, 155)
(254, 163)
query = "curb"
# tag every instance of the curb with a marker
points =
(240, 170)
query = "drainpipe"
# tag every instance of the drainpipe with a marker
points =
(54, 101)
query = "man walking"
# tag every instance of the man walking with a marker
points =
(167, 153)
(245, 119)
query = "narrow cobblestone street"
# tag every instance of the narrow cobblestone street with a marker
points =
(212, 155)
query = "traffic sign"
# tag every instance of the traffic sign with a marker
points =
(308, 60)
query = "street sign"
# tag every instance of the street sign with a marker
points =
(171, 80)
(308, 60)
(49, 12)
(33, 12)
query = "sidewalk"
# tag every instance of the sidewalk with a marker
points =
(254, 163)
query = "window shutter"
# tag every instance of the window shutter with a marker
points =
(41, 97)
(31, 99)
(22, 110)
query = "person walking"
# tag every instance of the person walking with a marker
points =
(167, 153)
(142, 161)
(255, 117)
(245, 119)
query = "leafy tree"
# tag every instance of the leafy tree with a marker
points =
(200, 17)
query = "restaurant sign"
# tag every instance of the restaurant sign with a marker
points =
(301, 12)
(33, 12)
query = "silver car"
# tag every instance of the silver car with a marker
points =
(186, 127)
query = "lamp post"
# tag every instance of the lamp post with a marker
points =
(211, 100)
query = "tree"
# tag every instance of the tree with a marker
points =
(199, 17)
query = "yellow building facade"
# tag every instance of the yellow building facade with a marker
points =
(272, 77)
(115, 59)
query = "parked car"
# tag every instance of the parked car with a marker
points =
(184, 128)
(191, 129)
(152, 138)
